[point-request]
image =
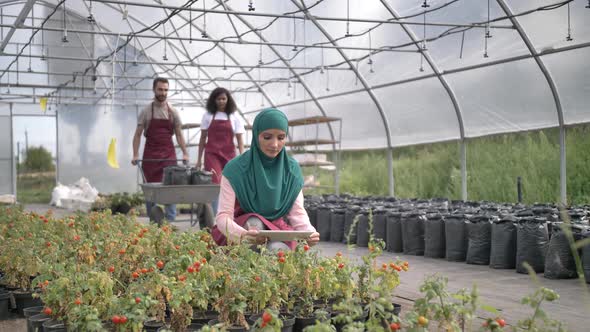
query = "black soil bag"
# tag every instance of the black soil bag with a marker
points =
(379, 224)
(559, 261)
(323, 222)
(479, 244)
(393, 228)
(434, 236)
(362, 229)
(312, 211)
(337, 225)
(531, 244)
(503, 254)
(413, 233)
(456, 237)
(586, 257)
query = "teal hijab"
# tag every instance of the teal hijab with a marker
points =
(263, 185)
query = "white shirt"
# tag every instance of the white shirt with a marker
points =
(236, 124)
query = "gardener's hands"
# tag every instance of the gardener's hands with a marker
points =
(252, 236)
(314, 239)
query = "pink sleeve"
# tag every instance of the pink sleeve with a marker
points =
(298, 217)
(225, 212)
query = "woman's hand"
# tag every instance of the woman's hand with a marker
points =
(314, 239)
(251, 236)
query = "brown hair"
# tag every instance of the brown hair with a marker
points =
(157, 80)
(230, 107)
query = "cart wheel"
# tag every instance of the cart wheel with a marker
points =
(157, 215)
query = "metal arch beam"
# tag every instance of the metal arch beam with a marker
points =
(153, 66)
(554, 92)
(449, 91)
(131, 16)
(24, 13)
(260, 88)
(173, 47)
(290, 68)
(303, 84)
(186, 53)
(367, 89)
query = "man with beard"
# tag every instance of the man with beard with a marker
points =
(158, 122)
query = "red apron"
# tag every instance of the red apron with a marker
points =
(220, 147)
(158, 145)
(240, 218)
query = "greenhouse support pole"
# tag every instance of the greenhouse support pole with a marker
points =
(562, 166)
(463, 170)
(56, 146)
(13, 172)
(390, 171)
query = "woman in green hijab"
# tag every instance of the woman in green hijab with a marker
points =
(261, 187)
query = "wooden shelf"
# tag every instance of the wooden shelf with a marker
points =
(190, 125)
(312, 120)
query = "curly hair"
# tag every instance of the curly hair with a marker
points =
(230, 106)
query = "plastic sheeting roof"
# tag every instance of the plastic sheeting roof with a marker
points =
(396, 72)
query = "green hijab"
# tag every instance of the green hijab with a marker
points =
(263, 185)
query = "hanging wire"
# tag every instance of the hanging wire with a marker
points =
(347, 18)
(260, 53)
(2, 22)
(294, 35)
(328, 79)
(64, 38)
(569, 26)
(356, 77)
(32, 37)
(30, 68)
(421, 61)
(488, 30)
(251, 6)
(135, 51)
(125, 12)
(224, 55)
(322, 66)
(90, 17)
(487, 34)
(204, 33)
(165, 57)
(370, 62)
(424, 5)
(190, 24)
(462, 43)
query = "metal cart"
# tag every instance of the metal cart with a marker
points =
(178, 194)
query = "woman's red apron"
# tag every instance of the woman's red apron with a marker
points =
(240, 218)
(158, 145)
(220, 147)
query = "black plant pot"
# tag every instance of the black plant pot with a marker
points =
(54, 326)
(203, 317)
(4, 305)
(36, 322)
(25, 300)
(152, 325)
(213, 322)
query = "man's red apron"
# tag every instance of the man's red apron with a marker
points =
(220, 147)
(158, 145)
(240, 218)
